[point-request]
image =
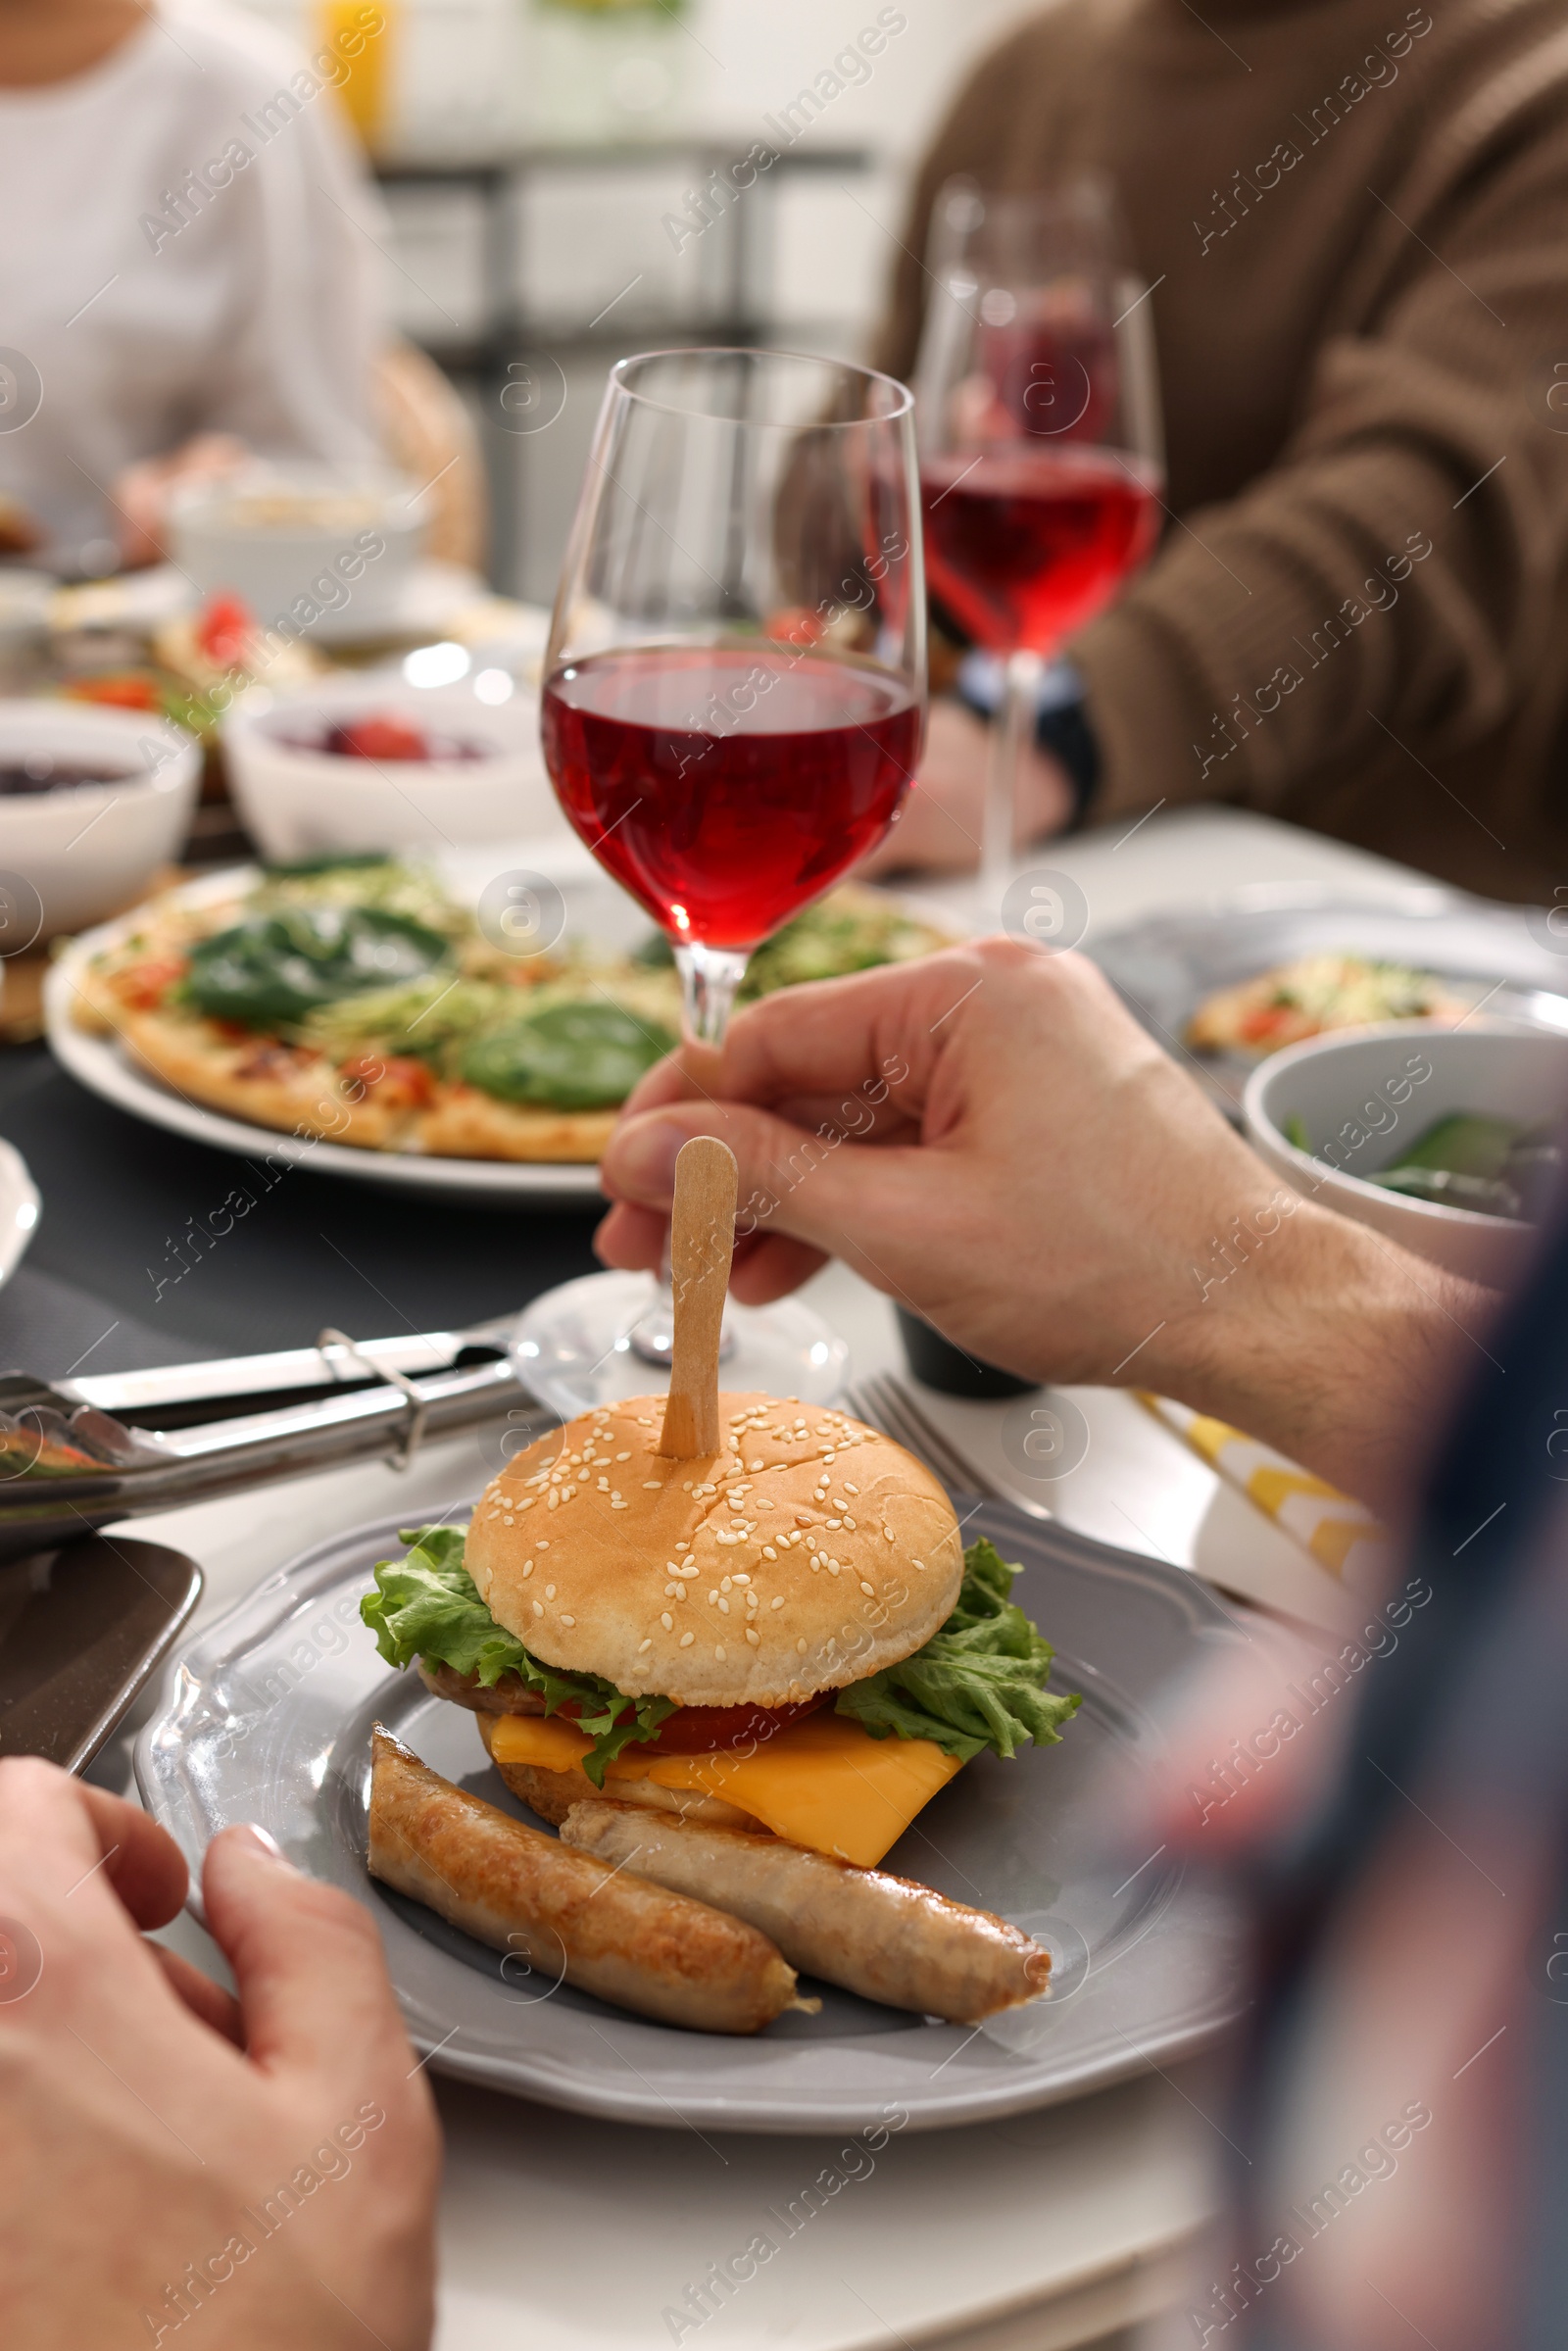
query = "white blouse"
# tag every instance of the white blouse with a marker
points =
(188, 243)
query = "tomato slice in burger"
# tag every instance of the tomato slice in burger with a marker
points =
(699, 1730)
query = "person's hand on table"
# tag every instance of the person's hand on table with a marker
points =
(1021, 1165)
(142, 493)
(940, 826)
(167, 2151)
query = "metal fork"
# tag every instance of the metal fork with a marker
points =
(885, 1401)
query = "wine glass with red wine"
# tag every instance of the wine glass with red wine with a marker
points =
(733, 707)
(1038, 415)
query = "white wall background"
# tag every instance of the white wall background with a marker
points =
(766, 49)
(478, 61)
(475, 76)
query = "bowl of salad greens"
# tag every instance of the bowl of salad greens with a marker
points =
(1449, 1141)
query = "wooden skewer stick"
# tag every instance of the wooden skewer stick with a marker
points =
(702, 1242)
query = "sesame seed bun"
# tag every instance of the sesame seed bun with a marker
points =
(810, 1554)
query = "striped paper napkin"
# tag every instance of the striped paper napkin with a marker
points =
(1340, 1534)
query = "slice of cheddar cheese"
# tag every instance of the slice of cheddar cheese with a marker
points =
(822, 1782)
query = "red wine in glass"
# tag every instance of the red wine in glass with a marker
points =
(1039, 441)
(1026, 545)
(733, 703)
(728, 785)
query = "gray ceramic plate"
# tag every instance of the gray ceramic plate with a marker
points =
(1165, 964)
(269, 1718)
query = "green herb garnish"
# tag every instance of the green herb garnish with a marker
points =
(581, 1056)
(271, 970)
(329, 860)
(428, 1016)
(361, 880)
(849, 930)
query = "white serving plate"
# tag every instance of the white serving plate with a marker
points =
(595, 909)
(268, 1719)
(19, 1207)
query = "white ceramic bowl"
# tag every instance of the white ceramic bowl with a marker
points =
(328, 551)
(300, 802)
(69, 857)
(1363, 1096)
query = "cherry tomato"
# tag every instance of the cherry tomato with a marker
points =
(378, 739)
(226, 630)
(793, 625)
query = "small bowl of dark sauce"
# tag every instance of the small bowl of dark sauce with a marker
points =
(94, 801)
(33, 771)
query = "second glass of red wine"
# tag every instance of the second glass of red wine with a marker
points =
(1038, 414)
(734, 684)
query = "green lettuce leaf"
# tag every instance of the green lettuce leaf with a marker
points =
(979, 1682)
(427, 1605)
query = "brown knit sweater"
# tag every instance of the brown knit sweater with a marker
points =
(1356, 217)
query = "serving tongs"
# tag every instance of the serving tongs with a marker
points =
(76, 1454)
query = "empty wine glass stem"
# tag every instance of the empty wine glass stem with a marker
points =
(1011, 735)
(709, 979)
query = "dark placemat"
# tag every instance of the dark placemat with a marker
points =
(150, 1228)
(52, 1329)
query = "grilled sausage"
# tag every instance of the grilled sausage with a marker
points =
(569, 1916)
(880, 1935)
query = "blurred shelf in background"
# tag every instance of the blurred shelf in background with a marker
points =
(527, 276)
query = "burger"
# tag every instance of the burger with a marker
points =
(787, 1636)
